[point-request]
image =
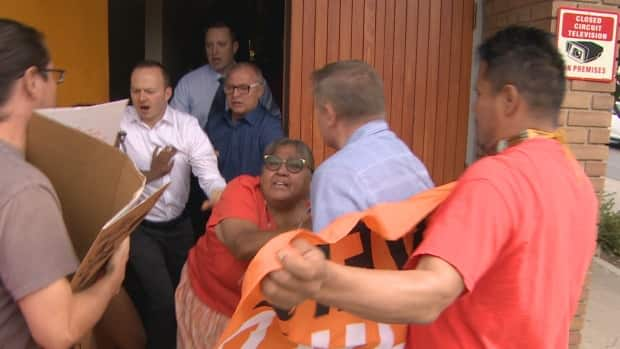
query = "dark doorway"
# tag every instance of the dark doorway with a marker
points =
(125, 42)
(259, 25)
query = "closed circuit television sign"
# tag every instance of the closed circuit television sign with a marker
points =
(587, 41)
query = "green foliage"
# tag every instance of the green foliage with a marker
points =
(609, 226)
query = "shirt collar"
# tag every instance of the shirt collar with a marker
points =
(167, 119)
(251, 118)
(369, 128)
(11, 150)
(215, 75)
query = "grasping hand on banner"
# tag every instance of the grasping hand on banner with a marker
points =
(304, 269)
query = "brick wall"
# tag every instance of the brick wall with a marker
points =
(586, 109)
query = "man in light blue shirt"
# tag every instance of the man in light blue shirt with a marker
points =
(200, 91)
(372, 165)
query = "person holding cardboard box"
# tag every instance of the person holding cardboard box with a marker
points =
(165, 144)
(37, 305)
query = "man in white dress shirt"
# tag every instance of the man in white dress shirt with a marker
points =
(165, 144)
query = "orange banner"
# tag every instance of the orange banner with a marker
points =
(381, 237)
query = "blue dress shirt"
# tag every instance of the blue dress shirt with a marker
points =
(373, 167)
(195, 91)
(241, 143)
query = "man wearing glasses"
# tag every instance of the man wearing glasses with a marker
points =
(242, 133)
(37, 306)
(200, 93)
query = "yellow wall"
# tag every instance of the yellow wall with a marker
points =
(76, 32)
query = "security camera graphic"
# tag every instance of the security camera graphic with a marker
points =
(583, 51)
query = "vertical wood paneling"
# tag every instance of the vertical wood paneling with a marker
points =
(333, 49)
(422, 50)
(333, 30)
(464, 82)
(307, 65)
(439, 140)
(370, 11)
(396, 100)
(432, 84)
(410, 70)
(320, 59)
(380, 42)
(388, 56)
(294, 105)
(357, 30)
(346, 11)
(421, 77)
(453, 93)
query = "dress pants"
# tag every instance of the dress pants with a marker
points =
(193, 208)
(156, 258)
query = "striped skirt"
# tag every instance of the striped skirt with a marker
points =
(198, 326)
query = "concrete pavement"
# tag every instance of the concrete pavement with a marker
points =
(602, 322)
(612, 186)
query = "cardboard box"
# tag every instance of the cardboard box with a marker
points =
(102, 120)
(94, 182)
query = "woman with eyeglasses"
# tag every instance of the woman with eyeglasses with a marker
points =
(251, 211)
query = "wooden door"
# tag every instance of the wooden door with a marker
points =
(421, 48)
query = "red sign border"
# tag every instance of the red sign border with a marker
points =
(558, 34)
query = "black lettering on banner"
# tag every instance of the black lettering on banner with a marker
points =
(418, 235)
(397, 248)
(285, 315)
(398, 252)
(326, 250)
(321, 309)
(364, 259)
(282, 314)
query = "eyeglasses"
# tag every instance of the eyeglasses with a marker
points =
(57, 74)
(242, 89)
(273, 163)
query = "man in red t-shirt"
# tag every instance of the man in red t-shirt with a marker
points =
(251, 211)
(504, 259)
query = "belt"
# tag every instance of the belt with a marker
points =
(165, 224)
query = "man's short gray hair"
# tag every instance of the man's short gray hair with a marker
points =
(353, 88)
(250, 66)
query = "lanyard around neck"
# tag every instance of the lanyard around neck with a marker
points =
(530, 133)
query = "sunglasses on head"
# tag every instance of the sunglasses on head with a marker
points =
(273, 163)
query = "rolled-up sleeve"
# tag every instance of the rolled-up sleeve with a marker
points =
(202, 158)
